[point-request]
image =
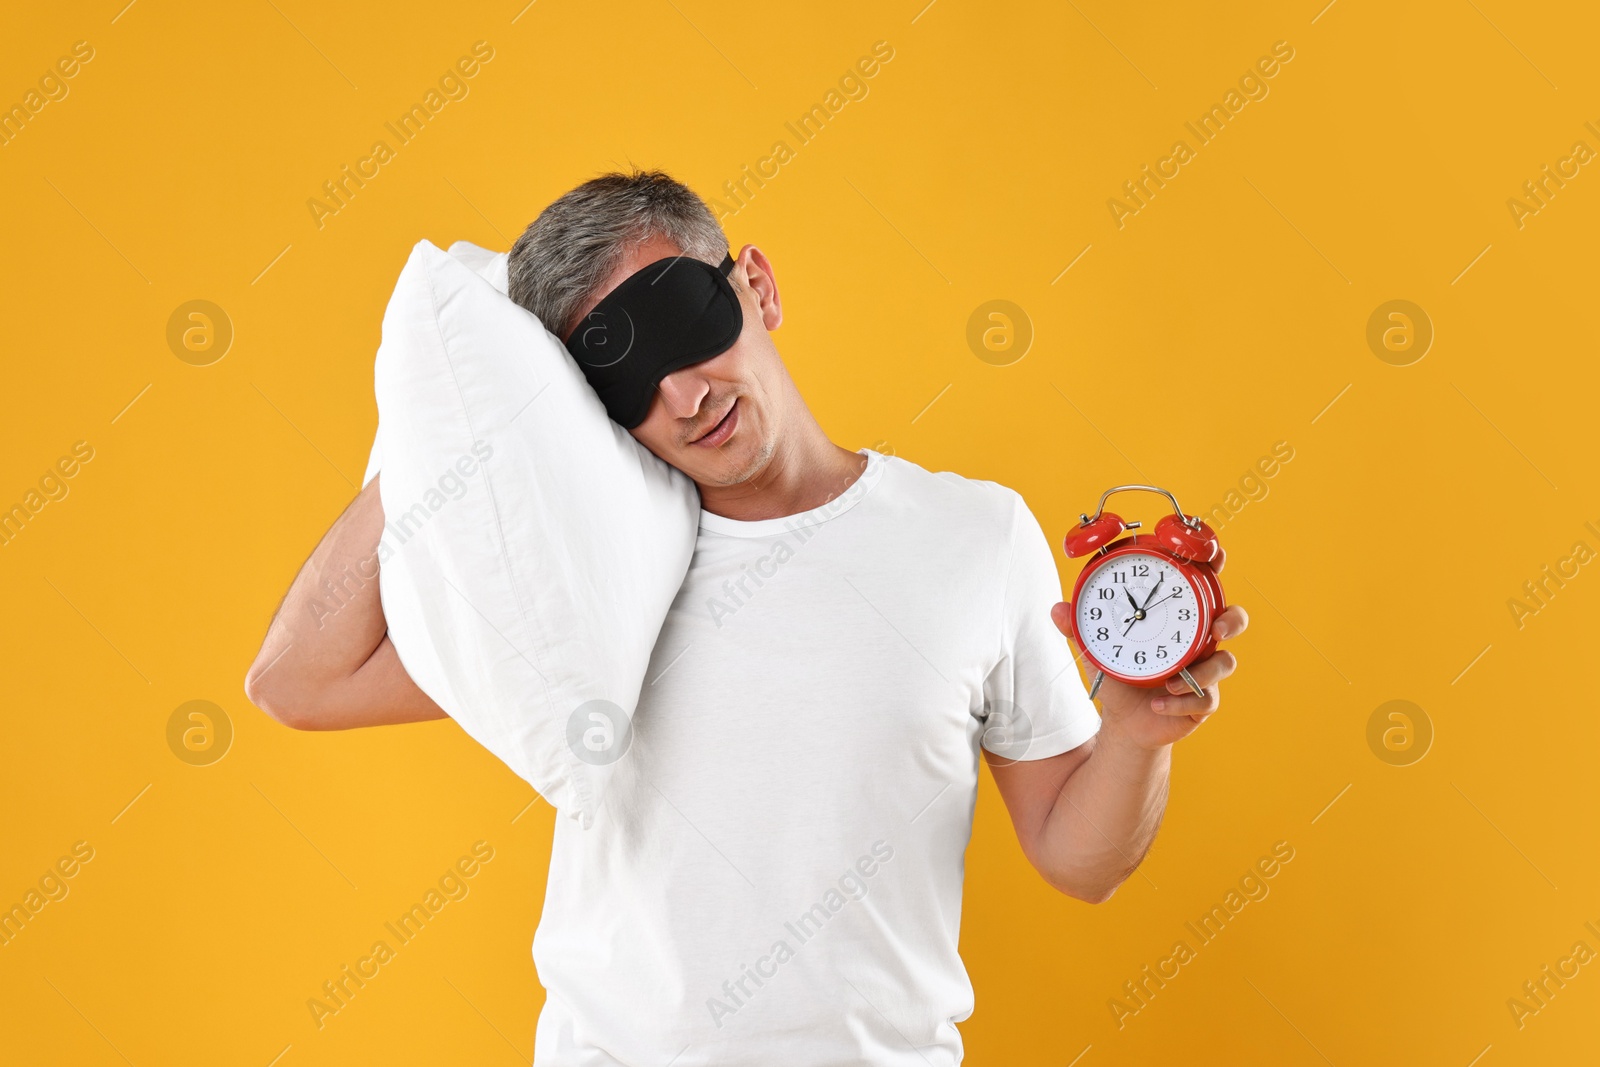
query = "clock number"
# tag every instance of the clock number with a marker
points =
(1183, 615)
(1101, 634)
(1119, 577)
(1106, 594)
(1116, 651)
(1141, 570)
(1161, 652)
(1138, 657)
(1095, 613)
(1177, 635)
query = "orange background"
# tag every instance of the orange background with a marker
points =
(1228, 314)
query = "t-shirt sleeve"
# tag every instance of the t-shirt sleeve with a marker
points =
(374, 461)
(1035, 702)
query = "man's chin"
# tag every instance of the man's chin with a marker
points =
(736, 462)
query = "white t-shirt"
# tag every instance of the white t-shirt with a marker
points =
(775, 875)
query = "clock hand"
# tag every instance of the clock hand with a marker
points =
(1152, 593)
(1164, 599)
(1138, 612)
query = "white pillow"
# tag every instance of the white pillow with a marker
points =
(533, 546)
(492, 267)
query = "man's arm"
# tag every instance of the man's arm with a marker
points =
(327, 662)
(1086, 818)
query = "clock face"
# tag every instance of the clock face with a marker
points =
(1137, 614)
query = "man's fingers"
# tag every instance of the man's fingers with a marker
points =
(1061, 615)
(1231, 623)
(1199, 707)
(1207, 672)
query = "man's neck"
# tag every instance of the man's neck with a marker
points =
(806, 470)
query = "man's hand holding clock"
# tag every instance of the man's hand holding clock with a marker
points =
(1151, 718)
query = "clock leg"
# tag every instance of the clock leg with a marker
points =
(1186, 676)
(1094, 687)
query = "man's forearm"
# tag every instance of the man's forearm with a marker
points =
(1086, 817)
(1105, 817)
(326, 662)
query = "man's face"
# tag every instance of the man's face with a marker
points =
(717, 421)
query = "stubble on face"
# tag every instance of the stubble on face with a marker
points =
(743, 469)
(743, 456)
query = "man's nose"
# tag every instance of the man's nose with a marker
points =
(682, 392)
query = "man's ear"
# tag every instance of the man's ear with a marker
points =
(756, 270)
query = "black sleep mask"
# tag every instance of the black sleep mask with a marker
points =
(664, 317)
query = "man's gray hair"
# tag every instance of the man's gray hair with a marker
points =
(569, 251)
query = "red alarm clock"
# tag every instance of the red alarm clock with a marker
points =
(1143, 607)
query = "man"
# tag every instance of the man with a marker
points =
(775, 876)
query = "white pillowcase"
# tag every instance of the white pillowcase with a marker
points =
(492, 267)
(532, 546)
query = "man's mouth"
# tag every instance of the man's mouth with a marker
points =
(719, 433)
